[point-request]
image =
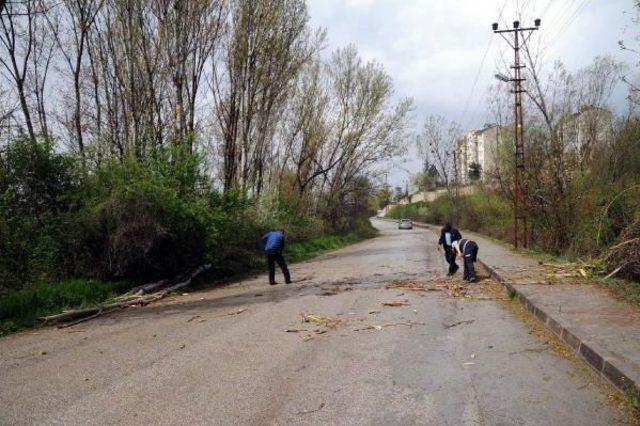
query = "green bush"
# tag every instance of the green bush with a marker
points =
(35, 183)
(141, 219)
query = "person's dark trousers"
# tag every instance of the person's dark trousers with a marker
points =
(274, 257)
(470, 256)
(450, 257)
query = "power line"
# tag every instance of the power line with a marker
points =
(544, 11)
(558, 35)
(500, 17)
(475, 80)
(563, 12)
(524, 9)
(484, 57)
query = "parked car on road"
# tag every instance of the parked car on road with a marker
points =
(405, 224)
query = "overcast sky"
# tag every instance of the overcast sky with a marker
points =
(434, 49)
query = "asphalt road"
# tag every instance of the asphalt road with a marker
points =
(222, 356)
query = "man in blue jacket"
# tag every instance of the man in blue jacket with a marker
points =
(273, 246)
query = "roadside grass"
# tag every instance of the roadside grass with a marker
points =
(625, 290)
(541, 255)
(303, 250)
(21, 309)
(633, 400)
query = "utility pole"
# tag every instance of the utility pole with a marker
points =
(520, 36)
(456, 181)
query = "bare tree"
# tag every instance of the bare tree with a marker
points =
(267, 44)
(305, 128)
(71, 31)
(188, 33)
(436, 144)
(568, 124)
(17, 38)
(366, 126)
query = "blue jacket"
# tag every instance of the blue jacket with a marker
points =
(273, 241)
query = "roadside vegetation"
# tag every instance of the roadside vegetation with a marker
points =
(22, 308)
(582, 174)
(120, 175)
(485, 213)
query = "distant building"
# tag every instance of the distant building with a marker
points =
(477, 150)
(586, 129)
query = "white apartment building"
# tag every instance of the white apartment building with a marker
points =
(588, 128)
(479, 147)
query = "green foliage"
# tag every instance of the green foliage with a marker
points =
(381, 198)
(136, 219)
(143, 218)
(483, 212)
(307, 249)
(428, 179)
(35, 183)
(22, 308)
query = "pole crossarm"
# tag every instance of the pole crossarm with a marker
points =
(516, 30)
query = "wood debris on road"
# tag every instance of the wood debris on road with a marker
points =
(404, 302)
(407, 285)
(320, 407)
(393, 324)
(321, 320)
(455, 324)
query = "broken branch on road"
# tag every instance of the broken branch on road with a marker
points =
(393, 324)
(455, 324)
(404, 302)
(320, 407)
(131, 300)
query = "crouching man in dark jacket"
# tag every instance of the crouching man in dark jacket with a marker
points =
(273, 246)
(448, 235)
(469, 251)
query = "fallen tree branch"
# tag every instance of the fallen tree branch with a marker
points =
(455, 324)
(615, 271)
(90, 313)
(392, 324)
(144, 289)
(71, 324)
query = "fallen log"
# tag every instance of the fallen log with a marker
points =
(615, 271)
(90, 313)
(81, 313)
(90, 317)
(144, 289)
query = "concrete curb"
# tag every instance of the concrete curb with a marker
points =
(604, 366)
(600, 363)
